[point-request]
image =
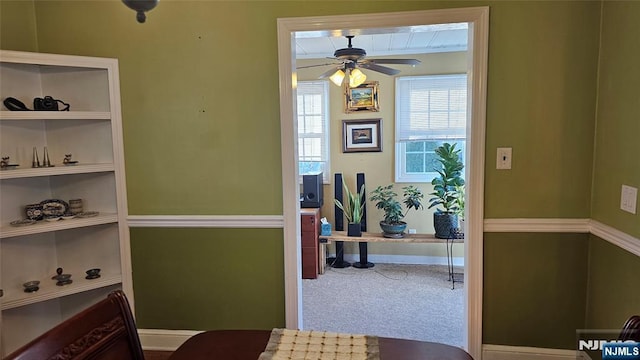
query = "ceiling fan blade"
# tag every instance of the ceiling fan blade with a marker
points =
(328, 73)
(316, 65)
(393, 61)
(380, 69)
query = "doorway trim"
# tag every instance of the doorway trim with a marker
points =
(478, 19)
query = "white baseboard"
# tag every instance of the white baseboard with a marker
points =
(504, 352)
(164, 340)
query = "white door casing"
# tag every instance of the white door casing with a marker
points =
(478, 20)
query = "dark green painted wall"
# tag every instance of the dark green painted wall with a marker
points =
(200, 121)
(613, 293)
(199, 279)
(535, 288)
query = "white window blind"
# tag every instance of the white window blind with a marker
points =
(431, 107)
(313, 132)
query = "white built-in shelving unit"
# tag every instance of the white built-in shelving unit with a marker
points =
(92, 132)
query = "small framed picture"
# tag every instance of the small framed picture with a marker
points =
(362, 98)
(362, 135)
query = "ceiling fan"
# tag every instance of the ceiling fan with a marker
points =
(351, 59)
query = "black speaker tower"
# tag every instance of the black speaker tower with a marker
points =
(362, 245)
(338, 262)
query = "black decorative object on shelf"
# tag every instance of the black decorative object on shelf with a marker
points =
(31, 286)
(62, 279)
(92, 274)
(48, 103)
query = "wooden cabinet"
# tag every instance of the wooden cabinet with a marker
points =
(310, 225)
(92, 133)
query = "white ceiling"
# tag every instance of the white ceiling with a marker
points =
(381, 42)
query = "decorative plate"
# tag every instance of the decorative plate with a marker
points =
(54, 207)
(23, 222)
(87, 214)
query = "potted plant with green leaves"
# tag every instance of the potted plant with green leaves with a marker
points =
(353, 209)
(446, 195)
(460, 202)
(386, 199)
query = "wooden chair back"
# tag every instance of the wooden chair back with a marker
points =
(631, 329)
(104, 331)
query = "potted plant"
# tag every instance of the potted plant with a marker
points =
(353, 209)
(392, 225)
(460, 203)
(445, 190)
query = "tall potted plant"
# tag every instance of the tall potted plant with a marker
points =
(392, 225)
(353, 208)
(460, 201)
(446, 187)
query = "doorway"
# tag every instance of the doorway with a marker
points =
(477, 18)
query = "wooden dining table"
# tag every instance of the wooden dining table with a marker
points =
(249, 344)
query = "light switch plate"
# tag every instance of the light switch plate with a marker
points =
(628, 199)
(503, 159)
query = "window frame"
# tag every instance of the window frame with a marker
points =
(325, 136)
(400, 167)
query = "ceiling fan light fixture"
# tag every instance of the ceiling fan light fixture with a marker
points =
(140, 7)
(356, 78)
(337, 77)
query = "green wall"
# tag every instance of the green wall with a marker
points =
(535, 289)
(199, 83)
(617, 147)
(612, 298)
(202, 279)
(541, 101)
(613, 294)
(18, 26)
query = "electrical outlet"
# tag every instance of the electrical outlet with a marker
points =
(503, 159)
(628, 198)
(412, 231)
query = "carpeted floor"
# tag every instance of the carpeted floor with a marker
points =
(391, 300)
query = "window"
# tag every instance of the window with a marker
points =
(313, 128)
(430, 110)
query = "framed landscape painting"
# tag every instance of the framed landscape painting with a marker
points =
(362, 135)
(362, 98)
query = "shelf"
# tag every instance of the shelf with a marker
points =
(378, 237)
(55, 115)
(7, 231)
(59, 169)
(92, 133)
(14, 298)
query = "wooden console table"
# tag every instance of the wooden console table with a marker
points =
(456, 237)
(377, 237)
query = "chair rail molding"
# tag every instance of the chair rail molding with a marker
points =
(207, 221)
(615, 236)
(527, 225)
(594, 227)
(537, 225)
